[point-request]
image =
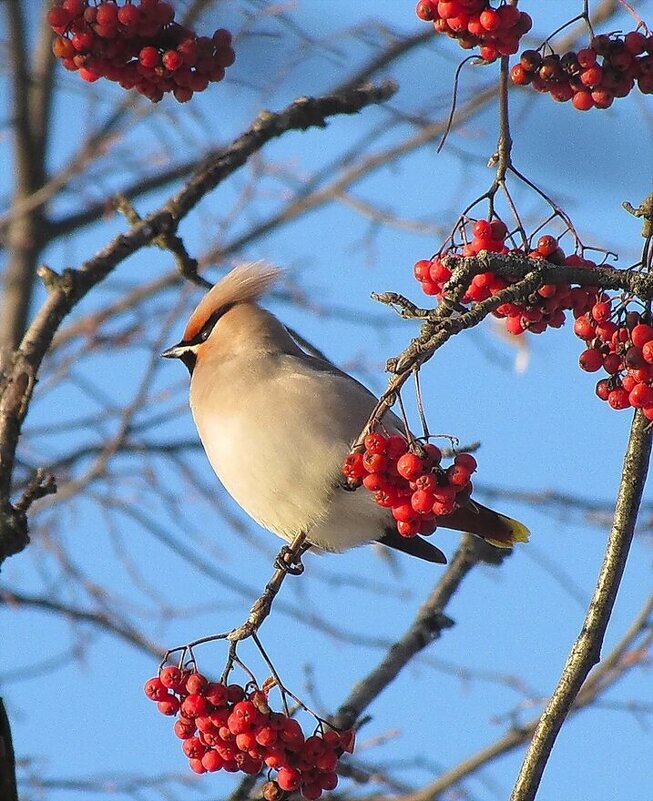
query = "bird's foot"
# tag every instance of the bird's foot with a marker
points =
(289, 562)
(349, 485)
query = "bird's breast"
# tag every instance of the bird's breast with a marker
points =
(273, 445)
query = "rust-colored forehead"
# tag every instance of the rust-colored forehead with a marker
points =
(246, 283)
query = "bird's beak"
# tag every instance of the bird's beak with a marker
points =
(176, 351)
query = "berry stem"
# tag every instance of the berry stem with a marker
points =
(585, 652)
(289, 555)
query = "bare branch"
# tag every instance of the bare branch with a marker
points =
(428, 625)
(65, 291)
(587, 648)
(8, 788)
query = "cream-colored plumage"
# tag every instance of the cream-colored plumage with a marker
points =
(276, 424)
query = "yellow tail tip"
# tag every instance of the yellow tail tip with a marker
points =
(515, 532)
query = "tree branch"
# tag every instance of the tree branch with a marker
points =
(586, 650)
(600, 680)
(66, 290)
(8, 789)
(428, 625)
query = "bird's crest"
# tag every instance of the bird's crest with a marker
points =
(244, 284)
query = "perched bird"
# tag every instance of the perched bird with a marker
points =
(277, 423)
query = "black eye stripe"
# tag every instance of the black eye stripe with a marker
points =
(204, 333)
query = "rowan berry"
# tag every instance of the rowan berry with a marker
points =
(410, 466)
(155, 689)
(289, 779)
(194, 705)
(169, 706)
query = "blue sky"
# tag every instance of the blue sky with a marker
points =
(540, 430)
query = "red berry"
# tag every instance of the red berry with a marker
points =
(603, 388)
(618, 399)
(107, 14)
(58, 17)
(422, 501)
(171, 677)
(426, 482)
(426, 10)
(194, 706)
(467, 461)
(128, 16)
(410, 466)
(546, 245)
(184, 730)
(149, 57)
(375, 443)
(216, 694)
(591, 360)
(155, 690)
(311, 791)
(586, 57)
(635, 42)
(374, 462)
(289, 779)
(170, 706)
(582, 101)
(196, 683)
(433, 456)
(584, 328)
(212, 761)
(641, 334)
(612, 363)
(328, 780)
(395, 446)
(172, 60)
(640, 396)
(193, 748)
(499, 228)
(404, 513)
(422, 269)
(482, 229)
(647, 352)
(457, 475)
(353, 466)
(490, 19)
(601, 311)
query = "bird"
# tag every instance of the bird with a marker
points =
(277, 422)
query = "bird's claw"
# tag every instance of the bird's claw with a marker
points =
(289, 562)
(349, 485)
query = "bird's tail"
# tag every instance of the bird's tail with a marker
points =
(493, 527)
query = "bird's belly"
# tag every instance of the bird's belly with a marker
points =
(267, 471)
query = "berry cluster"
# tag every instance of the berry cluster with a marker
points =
(412, 485)
(139, 46)
(232, 728)
(620, 342)
(591, 78)
(475, 23)
(544, 309)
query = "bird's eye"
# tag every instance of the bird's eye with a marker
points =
(204, 334)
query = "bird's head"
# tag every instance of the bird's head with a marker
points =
(244, 284)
